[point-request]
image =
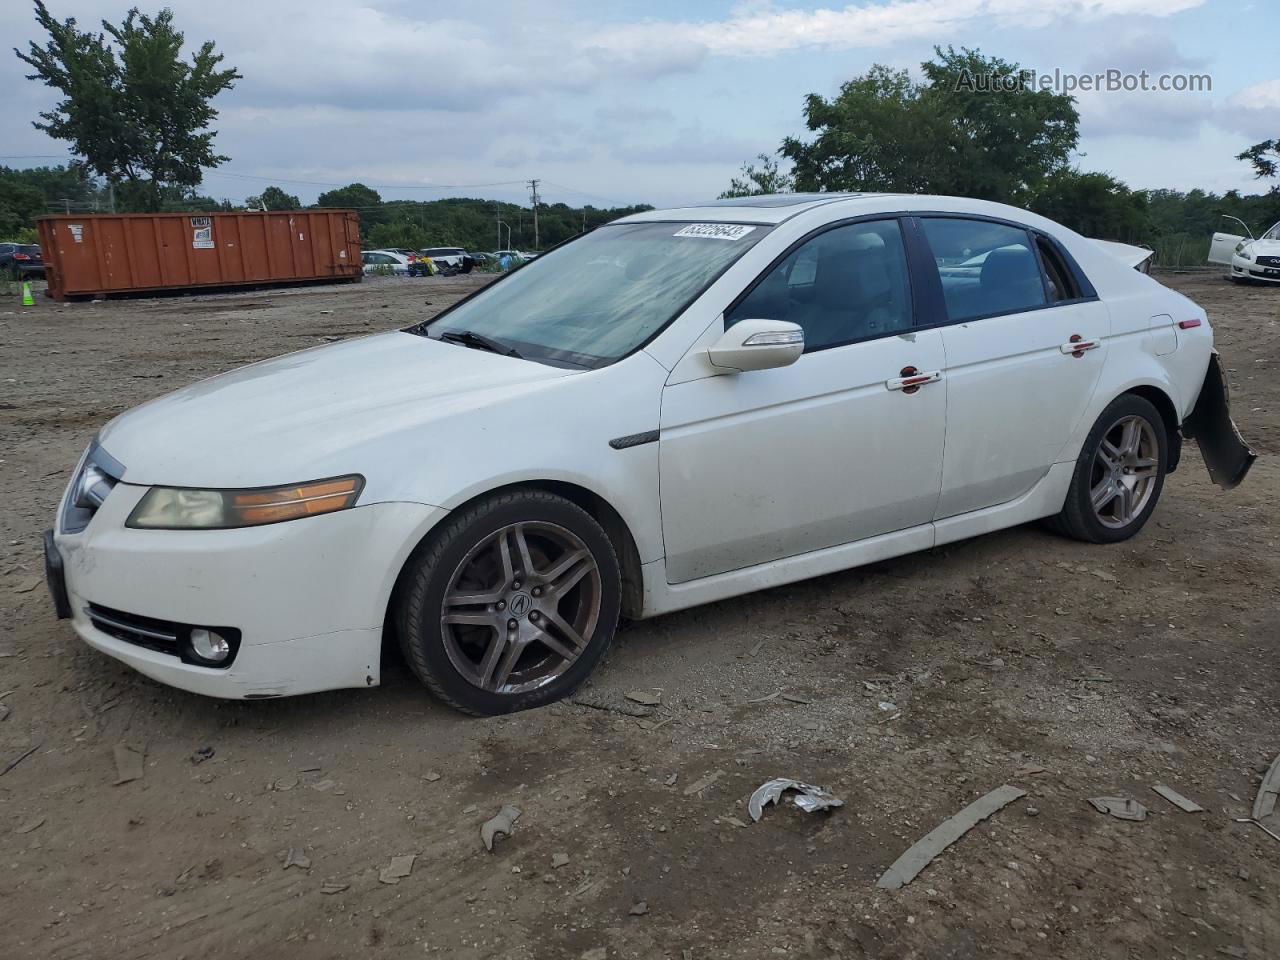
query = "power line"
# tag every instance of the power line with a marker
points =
(582, 193)
(375, 186)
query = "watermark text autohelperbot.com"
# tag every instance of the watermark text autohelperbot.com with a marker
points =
(1104, 81)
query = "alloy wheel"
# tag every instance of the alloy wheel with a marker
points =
(1125, 468)
(521, 607)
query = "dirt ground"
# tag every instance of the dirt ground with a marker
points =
(910, 688)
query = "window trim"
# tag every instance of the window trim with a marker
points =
(795, 245)
(1089, 292)
(1068, 273)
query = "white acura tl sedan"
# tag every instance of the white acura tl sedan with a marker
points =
(678, 407)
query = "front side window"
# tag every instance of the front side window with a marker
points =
(598, 298)
(986, 268)
(846, 284)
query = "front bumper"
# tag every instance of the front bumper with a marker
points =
(1249, 269)
(308, 596)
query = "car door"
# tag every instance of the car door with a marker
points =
(1025, 340)
(1222, 246)
(842, 445)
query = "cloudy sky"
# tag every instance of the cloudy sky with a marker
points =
(618, 101)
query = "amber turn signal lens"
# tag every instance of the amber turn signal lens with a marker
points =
(290, 503)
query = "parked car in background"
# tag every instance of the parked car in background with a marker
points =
(387, 262)
(21, 261)
(481, 259)
(1249, 259)
(676, 408)
(448, 259)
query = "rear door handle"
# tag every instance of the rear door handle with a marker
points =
(910, 379)
(1077, 345)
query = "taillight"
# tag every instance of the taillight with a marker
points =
(21, 256)
(1188, 324)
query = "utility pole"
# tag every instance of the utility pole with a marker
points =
(533, 193)
(497, 218)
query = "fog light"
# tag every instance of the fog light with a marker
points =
(209, 645)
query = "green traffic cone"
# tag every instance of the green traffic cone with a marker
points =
(27, 301)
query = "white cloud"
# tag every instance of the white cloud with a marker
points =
(757, 29)
(1253, 113)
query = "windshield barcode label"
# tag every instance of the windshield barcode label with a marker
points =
(715, 231)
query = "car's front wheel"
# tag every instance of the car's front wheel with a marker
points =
(510, 604)
(1119, 474)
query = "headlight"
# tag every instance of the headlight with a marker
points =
(178, 508)
(1243, 253)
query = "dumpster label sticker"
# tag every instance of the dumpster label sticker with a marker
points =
(77, 231)
(715, 231)
(202, 238)
(198, 222)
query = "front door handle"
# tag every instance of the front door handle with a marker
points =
(909, 380)
(1077, 345)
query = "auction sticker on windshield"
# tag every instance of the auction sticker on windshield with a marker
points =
(715, 231)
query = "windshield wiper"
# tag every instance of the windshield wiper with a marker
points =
(478, 341)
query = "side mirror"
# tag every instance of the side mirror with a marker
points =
(757, 345)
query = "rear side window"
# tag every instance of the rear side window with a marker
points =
(986, 268)
(1061, 281)
(846, 284)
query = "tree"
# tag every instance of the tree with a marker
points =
(20, 204)
(133, 109)
(366, 201)
(753, 182)
(273, 198)
(1094, 204)
(352, 195)
(976, 127)
(1264, 156)
(875, 135)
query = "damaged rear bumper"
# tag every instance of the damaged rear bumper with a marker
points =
(1225, 452)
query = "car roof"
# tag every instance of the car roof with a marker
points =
(769, 208)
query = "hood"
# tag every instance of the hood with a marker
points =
(1263, 248)
(310, 414)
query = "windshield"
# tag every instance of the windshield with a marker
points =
(1273, 233)
(593, 301)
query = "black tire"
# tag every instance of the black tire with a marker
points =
(420, 598)
(1078, 518)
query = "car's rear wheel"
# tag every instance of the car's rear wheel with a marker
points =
(510, 604)
(1119, 474)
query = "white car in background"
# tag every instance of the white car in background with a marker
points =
(1249, 259)
(386, 262)
(444, 257)
(678, 407)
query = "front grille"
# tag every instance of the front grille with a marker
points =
(1268, 261)
(150, 632)
(162, 636)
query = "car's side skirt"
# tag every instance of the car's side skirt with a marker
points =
(1042, 500)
